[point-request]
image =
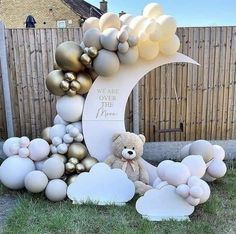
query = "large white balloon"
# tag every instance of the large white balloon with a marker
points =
(13, 171)
(54, 168)
(39, 149)
(109, 20)
(148, 50)
(218, 152)
(56, 190)
(59, 120)
(8, 143)
(91, 22)
(170, 46)
(217, 168)
(137, 24)
(58, 130)
(36, 181)
(70, 108)
(168, 26)
(163, 167)
(109, 39)
(130, 57)
(92, 38)
(153, 10)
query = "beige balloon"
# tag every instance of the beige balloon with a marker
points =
(153, 10)
(54, 168)
(56, 190)
(67, 56)
(137, 24)
(109, 20)
(148, 50)
(53, 82)
(92, 38)
(89, 23)
(170, 47)
(109, 39)
(45, 134)
(77, 150)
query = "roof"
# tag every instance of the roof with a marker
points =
(83, 8)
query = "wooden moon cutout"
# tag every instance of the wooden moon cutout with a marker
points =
(105, 104)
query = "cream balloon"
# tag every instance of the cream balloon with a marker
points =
(109, 20)
(109, 39)
(13, 171)
(92, 38)
(170, 46)
(217, 168)
(54, 168)
(36, 181)
(130, 57)
(56, 190)
(168, 26)
(183, 190)
(162, 167)
(126, 19)
(218, 152)
(70, 109)
(39, 149)
(109, 121)
(153, 10)
(7, 144)
(148, 50)
(137, 24)
(91, 22)
(206, 192)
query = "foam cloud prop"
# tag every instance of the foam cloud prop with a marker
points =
(102, 186)
(163, 204)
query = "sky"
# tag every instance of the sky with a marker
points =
(186, 12)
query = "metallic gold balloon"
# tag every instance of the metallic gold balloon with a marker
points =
(53, 82)
(79, 168)
(92, 52)
(74, 160)
(89, 162)
(77, 150)
(85, 81)
(65, 85)
(85, 59)
(71, 179)
(68, 56)
(71, 92)
(60, 156)
(70, 76)
(45, 134)
(69, 168)
(75, 85)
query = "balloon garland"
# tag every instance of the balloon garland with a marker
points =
(53, 162)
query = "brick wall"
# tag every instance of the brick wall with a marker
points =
(46, 13)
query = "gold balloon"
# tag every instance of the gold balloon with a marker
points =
(71, 92)
(45, 134)
(70, 167)
(85, 81)
(65, 85)
(75, 85)
(60, 156)
(71, 179)
(77, 150)
(74, 160)
(85, 59)
(92, 52)
(79, 168)
(89, 162)
(70, 76)
(53, 82)
(67, 56)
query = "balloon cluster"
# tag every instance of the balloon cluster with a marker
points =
(188, 176)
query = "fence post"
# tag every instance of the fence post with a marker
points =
(136, 109)
(6, 83)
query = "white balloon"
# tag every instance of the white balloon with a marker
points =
(13, 171)
(183, 190)
(208, 178)
(68, 127)
(8, 143)
(56, 141)
(123, 47)
(170, 46)
(126, 19)
(217, 168)
(163, 167)
(14, 149)
(78, 125)
(68, 139)
(168, 26)
(92, 39)
(196, 191)
(109, 39)
(137, 24)
(54, 168)
(56, 190)
(123, 35)
(24, 152)
(206, 192)
(109, 20)
(133, 40)
(70, 108)
(131, 57)
(89, 23)
(218, 152)
(148, 50)
(106, 63)
(58, 130)
(196, 165)
(39, 164)
(79, 138)
(153, 10)
(59, 120)
(39, 149)
(74, 132)
(53, 149)
(193, 201)
(36, 181)
(24, 141)
(194, 181)
(184, 152)
(62, 148)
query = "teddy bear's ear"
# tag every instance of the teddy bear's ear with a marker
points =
(115, 136)
(142, 137)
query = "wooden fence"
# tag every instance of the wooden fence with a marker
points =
(206, 95)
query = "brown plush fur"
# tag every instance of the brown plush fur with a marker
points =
(125, 147)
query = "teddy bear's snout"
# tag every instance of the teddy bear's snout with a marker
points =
(128, 153)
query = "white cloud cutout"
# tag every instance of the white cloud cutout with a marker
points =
(102, 186)
(163, 204)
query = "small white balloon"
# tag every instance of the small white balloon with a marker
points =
(79, 138)
(196, 191)
(56, 141)
(109, 20)
(206, 192)
(168, 26)
(163, 167)
(193, 201)
(91, 22)
(39, 149)
(131, 57)
(109, 39)
(133, 40)
(183, 190)
(36, 181)
(78, 125)
(68, 127)
(74, 132)
(8, 143)
(194, 181)
(217, 168)
(24, 141)
(58, 130)
(56, 190)
(123, 36)
(68, 139)
(153, 10)
(14, 149)
(92, 39)
(53, 149)
(170, 46)
(70, 108)
(54, 168)
(24, 152)
(218, 152)
(59, 120)
(123, 47)
(62, 148)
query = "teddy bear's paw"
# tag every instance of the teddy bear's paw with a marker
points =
(141, 188)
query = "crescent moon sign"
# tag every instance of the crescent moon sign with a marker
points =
(104, 107)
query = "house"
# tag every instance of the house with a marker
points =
(48, 14)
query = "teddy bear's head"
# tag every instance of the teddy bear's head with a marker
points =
(128, 145)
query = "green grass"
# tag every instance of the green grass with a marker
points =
(35, 214)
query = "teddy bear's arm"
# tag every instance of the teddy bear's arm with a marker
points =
(143, 174)
(110, 160)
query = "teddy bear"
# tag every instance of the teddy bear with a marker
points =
(127, 150)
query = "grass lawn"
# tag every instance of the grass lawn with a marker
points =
(35, 214)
